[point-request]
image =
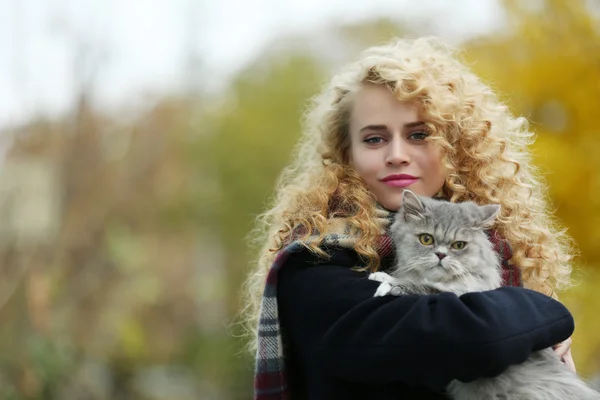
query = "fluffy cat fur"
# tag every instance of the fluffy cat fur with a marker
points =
(436, 263)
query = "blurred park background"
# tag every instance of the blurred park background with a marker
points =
(129, 179)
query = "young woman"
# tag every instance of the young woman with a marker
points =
(405, 115)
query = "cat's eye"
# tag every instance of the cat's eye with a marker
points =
(426, 239)
(459, 245)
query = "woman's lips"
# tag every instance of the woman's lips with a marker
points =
(402, 182)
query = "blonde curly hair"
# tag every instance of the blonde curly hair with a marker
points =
(485, 155)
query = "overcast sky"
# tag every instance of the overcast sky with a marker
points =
(141, 46)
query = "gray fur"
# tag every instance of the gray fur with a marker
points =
(474, 268)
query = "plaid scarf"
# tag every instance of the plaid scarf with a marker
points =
(270, 381)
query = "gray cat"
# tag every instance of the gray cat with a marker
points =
(445, 249)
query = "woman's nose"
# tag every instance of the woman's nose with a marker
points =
(397, 153)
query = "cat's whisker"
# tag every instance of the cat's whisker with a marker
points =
(415, 265)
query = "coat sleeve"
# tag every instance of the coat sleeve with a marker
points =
(329, 310)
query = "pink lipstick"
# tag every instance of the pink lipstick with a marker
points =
(401, 180)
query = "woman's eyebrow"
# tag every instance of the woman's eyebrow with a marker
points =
(384, 127)
(414, 124)
(374, 128)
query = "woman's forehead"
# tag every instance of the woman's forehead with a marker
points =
(376, 105)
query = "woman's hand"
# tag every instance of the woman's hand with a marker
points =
(563, 350)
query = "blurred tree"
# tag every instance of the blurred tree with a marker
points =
(546, 62)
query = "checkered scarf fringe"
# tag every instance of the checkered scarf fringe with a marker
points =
(270, 381)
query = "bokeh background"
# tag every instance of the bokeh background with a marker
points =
(139, 139)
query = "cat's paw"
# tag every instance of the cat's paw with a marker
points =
(397, 291)
(383, 290)
(389, 284)
(381, 277)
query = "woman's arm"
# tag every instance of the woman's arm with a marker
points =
(329, 310)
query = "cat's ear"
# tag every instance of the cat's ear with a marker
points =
(412, 208)
(488, 215)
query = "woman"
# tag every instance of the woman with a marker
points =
(405, 115)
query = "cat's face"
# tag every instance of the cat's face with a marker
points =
(438, 241)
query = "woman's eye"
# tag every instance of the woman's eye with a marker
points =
(458, 245)
(426, 239)
(373, 140)
(419, 135)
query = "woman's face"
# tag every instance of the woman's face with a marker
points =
(388, 147)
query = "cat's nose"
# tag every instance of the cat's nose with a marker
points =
(440, 255)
